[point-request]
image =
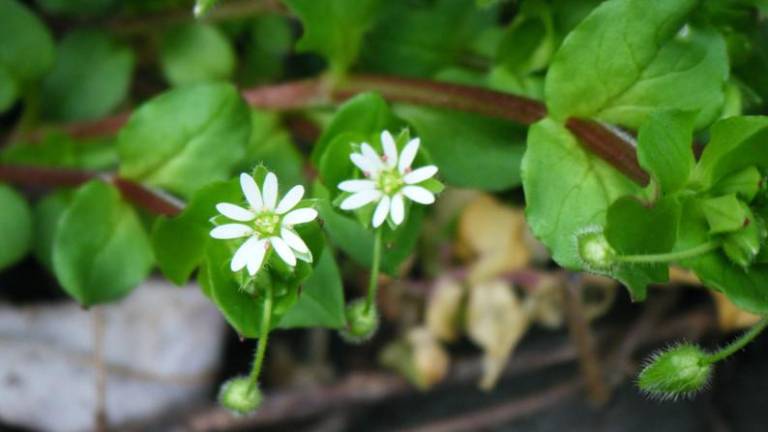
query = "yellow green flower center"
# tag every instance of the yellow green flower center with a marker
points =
(266, 224)
(390, 181)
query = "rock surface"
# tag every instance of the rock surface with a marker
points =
(161, 345)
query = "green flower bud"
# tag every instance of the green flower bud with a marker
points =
(361, 323)
(594, 250)
(240, 395)
(679, 371)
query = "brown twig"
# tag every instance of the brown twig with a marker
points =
(595, 137)
(360, 388)
(149, 199)
(581, 335)
(506, 412)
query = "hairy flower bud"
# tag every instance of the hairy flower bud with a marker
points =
(594, 250)
(679, 371)
(240, 395)
(362, 322)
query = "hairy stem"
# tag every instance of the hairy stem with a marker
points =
(373, 283)
(671, 256)
(595, 137)
(261, 347)
(739, 343)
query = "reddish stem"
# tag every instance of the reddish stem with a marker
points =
(144, 197)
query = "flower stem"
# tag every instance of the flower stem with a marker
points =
(261, 348)
(671, 256)
(739, 343)
(373, 284)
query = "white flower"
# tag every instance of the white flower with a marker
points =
(266, 223)
(389, 180)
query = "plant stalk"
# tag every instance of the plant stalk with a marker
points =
(261, 347)
(671, 256)
(373, 283)
(739, 343)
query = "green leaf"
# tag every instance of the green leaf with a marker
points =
(272, 146)
(735, 143)
(270, 41)
(48, 213)
(470, 150)
(194, 53)
(334, 28)
(185, 138)
(420, 38)
(725, 214)
(91, 77)
(27, 50)
(9, 90)
(664, 148)
(627, 228)
(60, 150)
(179, 243)
(629, 58)
(743, 246)
(15, 226)
(745, 184)
(745, 288)
(364, 114)
(567, 190)
(356, 240)
(321, 300)
(529, 42)
(100, 249)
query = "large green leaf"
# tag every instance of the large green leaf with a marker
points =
(735, 143)
(100, 249)
(745, 287)
(567, 190)
(627, 228)
(179, 243)
(419, 38)
(48, 213)
(15, 226)
(91, 76)
(470, 150)
(194, 53)
(631, 57)
(356, 240)
(321, 300)
(186, 138)
(27, 50)
(664, 148)
(334, 28)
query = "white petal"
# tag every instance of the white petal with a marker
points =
(408, 155)
(300, 216)
(283, 251)
(370, 154)
(294, 241)
(251, 191)
(419, 194)
(420, 174)
(243, 253)
(381, 211)
(362, 162)
(397, 210)
(360, 199)
(356, 185)
(231, 231)
(235, 212)
(269, 191)
(290, 199)
(390, 149)
(256, 257)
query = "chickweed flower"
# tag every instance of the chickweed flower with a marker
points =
(389, 180)
(265, 223)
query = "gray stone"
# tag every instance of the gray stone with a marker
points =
(162, 345)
